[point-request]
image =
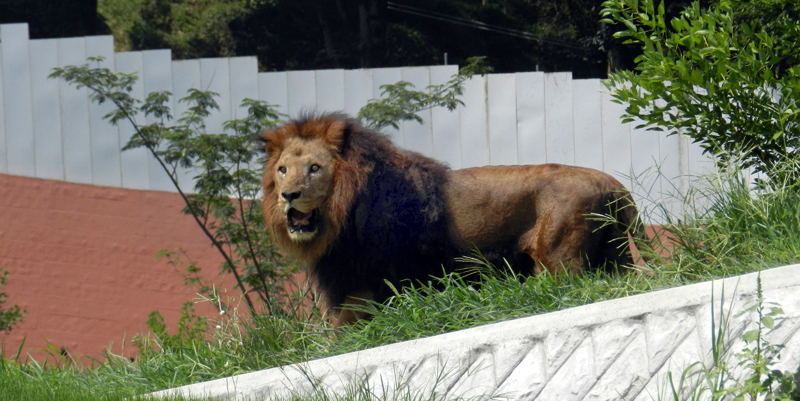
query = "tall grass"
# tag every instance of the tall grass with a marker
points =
(731, 228)
(734, 226)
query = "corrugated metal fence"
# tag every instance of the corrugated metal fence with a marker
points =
(51, 130)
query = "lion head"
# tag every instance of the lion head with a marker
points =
(303, 177)
(309, 182)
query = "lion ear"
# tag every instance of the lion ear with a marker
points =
(272, 140)
(338, 135)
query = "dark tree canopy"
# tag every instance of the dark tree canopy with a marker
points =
(561, 35)
(54, 18)
(514, 35)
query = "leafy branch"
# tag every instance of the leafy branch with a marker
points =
(229, 177)
(401, 103)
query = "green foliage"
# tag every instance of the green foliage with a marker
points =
(399, 103)
(224, 203)
(191, 331)
(120, 16)
(9, 316)
(727, 76)
(191, 28)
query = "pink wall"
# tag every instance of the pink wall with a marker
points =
(82, 262)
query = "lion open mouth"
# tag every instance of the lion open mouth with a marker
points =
(302, 222)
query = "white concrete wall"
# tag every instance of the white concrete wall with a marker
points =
(613, 350)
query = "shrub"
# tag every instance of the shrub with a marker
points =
(727, 76)
(11, 316)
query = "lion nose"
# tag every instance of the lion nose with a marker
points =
(290, 196)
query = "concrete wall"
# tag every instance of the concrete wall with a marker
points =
(620, 349)
(82, 263)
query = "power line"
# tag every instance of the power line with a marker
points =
(478, 25)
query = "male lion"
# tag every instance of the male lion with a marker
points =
(359, 211)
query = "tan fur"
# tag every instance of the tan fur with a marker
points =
(540, 210)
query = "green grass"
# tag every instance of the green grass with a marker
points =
(739, 230)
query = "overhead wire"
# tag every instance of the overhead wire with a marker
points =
(477, 25)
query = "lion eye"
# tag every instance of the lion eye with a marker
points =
(314, 168)
(282, 169)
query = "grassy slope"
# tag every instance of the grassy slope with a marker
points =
(737, 233)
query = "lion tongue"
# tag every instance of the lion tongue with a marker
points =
(301, 219)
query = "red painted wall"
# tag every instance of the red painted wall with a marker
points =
(82, 263)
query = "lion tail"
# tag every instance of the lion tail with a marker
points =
(631, 225)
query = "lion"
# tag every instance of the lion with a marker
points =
(360, 212)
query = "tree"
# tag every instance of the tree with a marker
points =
(224, 204)
(727, 76)
(9, 317)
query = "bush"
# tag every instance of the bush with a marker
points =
(225, 200)
(11, 316)
(726, 76)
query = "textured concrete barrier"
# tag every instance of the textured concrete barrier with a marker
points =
(620, 349)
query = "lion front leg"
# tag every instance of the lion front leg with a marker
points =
(348, 313)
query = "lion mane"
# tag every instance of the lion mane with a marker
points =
(359, 211)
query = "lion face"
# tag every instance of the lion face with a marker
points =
(304, 177)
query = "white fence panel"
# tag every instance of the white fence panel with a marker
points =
(560, 141)
(531, 121)
(49, 153)
(75, 116)
(185, 76)
(330, 90)
(215, 77)
(134, 163)
(418, 136)
(244, 83)
(157, 77)
(445, 125)
(358, 84)
(502, 119)
(15, 57)
(386, 76)
(273, 88)
(616, 140)
(587, 122)
(474, 123)
(302, 87)
(105, 147)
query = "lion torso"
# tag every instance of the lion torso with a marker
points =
(531, 213)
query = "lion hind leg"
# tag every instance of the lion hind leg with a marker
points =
(556, 246)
